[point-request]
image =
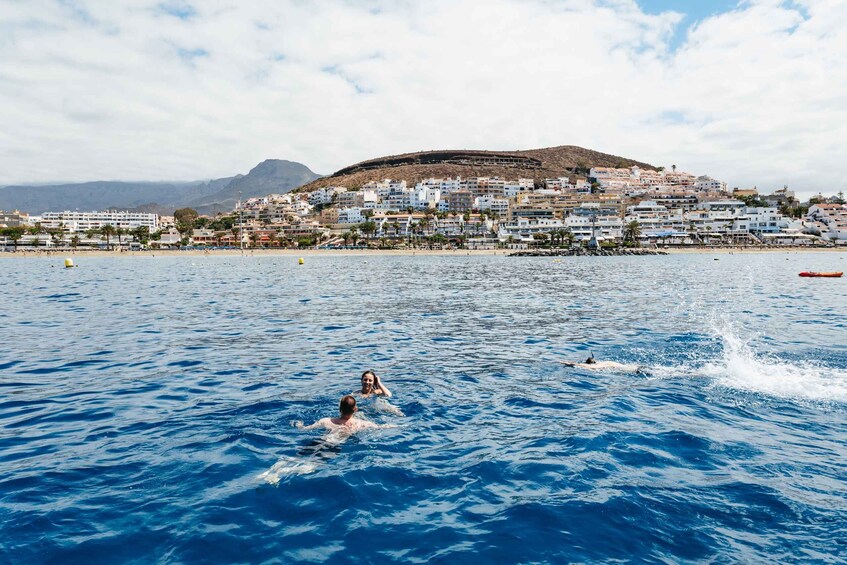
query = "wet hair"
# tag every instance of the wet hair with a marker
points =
(347, 406)
(590, 360)
(369, 372)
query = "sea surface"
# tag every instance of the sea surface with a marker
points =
(147, 408)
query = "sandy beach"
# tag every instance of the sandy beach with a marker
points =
(365, 252)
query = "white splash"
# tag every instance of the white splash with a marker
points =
(286, 467)
(740, 367)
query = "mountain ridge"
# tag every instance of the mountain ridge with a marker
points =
(208, 197)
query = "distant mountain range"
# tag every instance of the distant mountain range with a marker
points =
(207, 197)
(278, 176)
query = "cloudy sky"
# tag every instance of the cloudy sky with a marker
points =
(751, 92)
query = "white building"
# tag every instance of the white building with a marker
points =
(523, 229)
(656, 220)
(325, 195)
(766, 220)
(76, 222)
(490, 203)
(350, 216)
(708, 184)
(603, 227)
(833, 217)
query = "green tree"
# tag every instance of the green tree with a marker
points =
(57, 236)
(186, 216)
(368, 228)
(632, 233)
(142, 234)
(108, 231)
(15, 234)
(752, 201)
(75, 241)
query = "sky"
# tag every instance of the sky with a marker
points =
(752, 92)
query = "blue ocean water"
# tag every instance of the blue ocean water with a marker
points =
(146, 409)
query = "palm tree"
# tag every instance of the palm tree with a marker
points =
(75, 241)
(368, 228)
(142, 234)
(632, 232)
(108, 230)
(57, 236)
(692, 231)
(569, 237)
(15, 234)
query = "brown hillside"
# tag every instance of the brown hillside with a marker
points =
(552, 162)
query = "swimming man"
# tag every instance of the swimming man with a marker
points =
(594, 365)
(346, 422)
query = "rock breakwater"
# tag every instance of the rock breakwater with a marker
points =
(580, 252)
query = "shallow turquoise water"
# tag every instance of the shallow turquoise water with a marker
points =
(146, 408)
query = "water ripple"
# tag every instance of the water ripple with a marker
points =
(149, 418)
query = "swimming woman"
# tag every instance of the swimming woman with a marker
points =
(374, 388)
(372, 385)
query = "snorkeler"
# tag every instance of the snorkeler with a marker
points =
(371, 384)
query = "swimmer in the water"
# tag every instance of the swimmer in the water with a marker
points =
(371, 384)
(594, 365)
(346, 422)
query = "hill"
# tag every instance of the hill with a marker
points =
(101, 195)
(208, 197)
(268, 177)
(551, 162)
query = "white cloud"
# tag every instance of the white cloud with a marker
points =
(181, 90)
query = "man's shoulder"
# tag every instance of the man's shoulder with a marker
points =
(365, 424)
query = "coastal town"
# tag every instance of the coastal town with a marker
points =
(609, 208)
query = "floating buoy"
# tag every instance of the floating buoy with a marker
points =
(69, 263)
(300, 261)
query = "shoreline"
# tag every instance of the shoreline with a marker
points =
(375, 252)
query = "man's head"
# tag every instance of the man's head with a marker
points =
(590, 360)
(348, 406)
(368, 380)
